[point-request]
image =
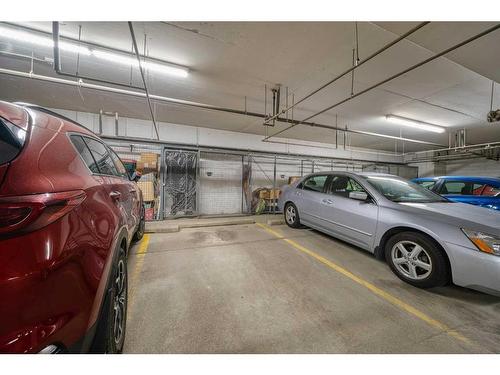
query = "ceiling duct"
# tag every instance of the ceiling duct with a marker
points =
(493, 116)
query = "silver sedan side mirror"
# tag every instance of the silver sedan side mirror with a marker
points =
(358, 195)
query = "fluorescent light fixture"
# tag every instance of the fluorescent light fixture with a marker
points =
(27, 37)
(115, 57)
(132, 61)
(75, 48)
(44, 41)
(415, 124)
(167, 69)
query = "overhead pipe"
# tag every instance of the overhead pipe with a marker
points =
(132, 34)
(485, 146)
(187, 103)
(274, 103)
(238, 151)
(451, 157)
(357, 65)
(461, 153)
(57, 66)
(27, 57)
(278, 97)
(432, 58)
(361, 151)
(55, 37)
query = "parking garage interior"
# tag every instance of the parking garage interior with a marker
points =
(221, 118)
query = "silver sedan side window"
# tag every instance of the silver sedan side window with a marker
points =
(343, 185)
(315, 183)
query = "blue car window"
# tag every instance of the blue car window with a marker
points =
(491, 191)
(461, 188)
(427, 184)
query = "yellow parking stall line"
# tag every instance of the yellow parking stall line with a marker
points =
(372, 288)
(139, 261)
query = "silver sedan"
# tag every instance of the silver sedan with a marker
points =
(426, 239)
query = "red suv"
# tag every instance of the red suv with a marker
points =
(68, 214)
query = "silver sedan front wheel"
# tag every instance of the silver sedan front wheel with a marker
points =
(290, 214)
(417, 259)
(412, 260)
(292, 218)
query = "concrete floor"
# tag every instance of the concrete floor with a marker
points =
(240, 289)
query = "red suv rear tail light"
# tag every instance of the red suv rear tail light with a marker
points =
(21, 214)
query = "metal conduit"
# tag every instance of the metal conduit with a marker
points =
(352, 68)
(333, 148)
(481, 146)
(134, 41)
(456, 46)
(236, 151)
(169, 100)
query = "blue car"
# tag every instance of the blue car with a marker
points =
(480, 191)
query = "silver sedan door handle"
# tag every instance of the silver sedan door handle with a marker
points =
(327, 201)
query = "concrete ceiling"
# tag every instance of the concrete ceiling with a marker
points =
(230, 61)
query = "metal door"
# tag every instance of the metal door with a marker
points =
(180, 183)
(220, 184)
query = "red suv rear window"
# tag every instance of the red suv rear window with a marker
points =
(12, 139)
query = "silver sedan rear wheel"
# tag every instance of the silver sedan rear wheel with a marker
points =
(411, 260)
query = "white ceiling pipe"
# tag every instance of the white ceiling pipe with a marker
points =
(141, 94)
(480, 146)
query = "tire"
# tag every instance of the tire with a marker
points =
(139, 233)
(114, 316)
(291, 214)
(424, 264)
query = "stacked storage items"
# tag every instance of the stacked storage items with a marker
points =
(265, 200)
(149, 167)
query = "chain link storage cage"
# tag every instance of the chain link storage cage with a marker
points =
(221, 184)
(180, 183)
(150, 181)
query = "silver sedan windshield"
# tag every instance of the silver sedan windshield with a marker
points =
(402, 191)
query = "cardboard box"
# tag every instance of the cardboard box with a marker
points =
(269, 194)
(148, 162)
(149, 214)
(148, 190)
(274, 193)
(264, 194)
(292, 179)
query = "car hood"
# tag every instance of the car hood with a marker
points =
(459, 214)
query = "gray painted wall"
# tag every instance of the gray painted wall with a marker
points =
(470, 167)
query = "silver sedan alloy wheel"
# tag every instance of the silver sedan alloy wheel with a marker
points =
(290, 214)
(411, 260)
